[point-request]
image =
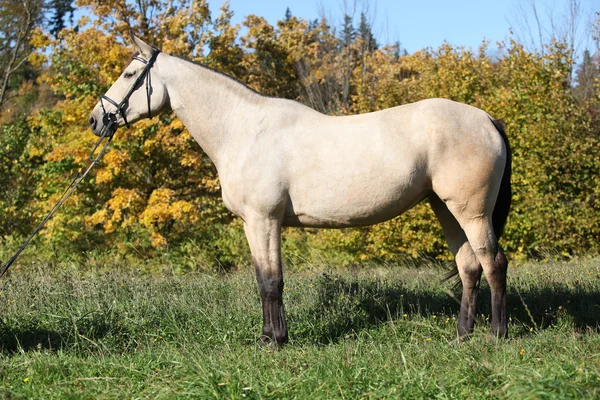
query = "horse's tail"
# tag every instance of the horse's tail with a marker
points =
(504, 199)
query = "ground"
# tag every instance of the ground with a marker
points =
(375, 332)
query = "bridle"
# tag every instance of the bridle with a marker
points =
(110, 118)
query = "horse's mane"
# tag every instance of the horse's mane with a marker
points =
(235, 80)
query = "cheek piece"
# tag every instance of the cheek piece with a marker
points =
(110, 118)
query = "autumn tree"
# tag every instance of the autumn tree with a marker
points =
(157, 194)
(17, 21)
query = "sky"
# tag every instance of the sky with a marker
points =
(428, 23)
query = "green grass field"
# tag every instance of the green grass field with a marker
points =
(372, 332)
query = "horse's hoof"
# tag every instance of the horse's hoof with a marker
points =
(269, 343)
(499, 335)
(465, 337)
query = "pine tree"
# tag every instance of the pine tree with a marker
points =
(585, 77)
(366, 34)
(313, 24)
(61, 9)
(348, 33)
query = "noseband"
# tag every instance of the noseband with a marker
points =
(110, 118)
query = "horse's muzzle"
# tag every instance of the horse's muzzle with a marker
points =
(93, 123)
(106, 126)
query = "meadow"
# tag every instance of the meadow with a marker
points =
(106, 330)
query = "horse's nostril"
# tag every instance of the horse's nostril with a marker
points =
(92, 120)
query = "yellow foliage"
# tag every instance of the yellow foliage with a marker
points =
(119, 211)
(155, 186)
(158, 240)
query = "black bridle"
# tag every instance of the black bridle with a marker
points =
(110, 118)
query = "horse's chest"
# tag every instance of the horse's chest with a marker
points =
(244, 195)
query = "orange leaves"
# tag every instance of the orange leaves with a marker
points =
(127, 208)
(190, 159)
(114, 162)
(158, 207)
(84, 60)
(171, 137)
(157, 240)
(39, 40)
(121, 211)
(163, 208)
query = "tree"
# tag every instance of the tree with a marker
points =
(585, 77)
(61, 10)
(156, 188)
(596, 28)
(17, 20)
(537, 25)
(348, 35)
(366, 34)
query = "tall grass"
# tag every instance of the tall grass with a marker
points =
(110, 331)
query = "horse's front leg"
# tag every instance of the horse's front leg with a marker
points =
(264, 238)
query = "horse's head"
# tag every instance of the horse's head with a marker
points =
(137, 94)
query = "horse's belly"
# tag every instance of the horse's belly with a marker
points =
(353, 207)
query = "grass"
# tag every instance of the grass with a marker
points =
(373, 333)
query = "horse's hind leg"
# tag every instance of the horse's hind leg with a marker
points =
(480, 233)
(469, 268)
(264, 238)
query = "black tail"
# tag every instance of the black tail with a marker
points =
(504, 199)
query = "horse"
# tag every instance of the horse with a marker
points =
(281, 163)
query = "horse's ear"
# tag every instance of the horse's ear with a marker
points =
(144, 49)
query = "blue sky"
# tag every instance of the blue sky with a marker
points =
(427, 23)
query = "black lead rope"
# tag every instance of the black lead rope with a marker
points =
(81, 174)
(108, 119)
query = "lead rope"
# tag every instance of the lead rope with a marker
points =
(108, 120)
(81, 174)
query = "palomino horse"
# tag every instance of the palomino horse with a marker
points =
(281, 163)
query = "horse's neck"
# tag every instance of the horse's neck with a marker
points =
(216, 110)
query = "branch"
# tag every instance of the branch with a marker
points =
(11, 96)
(20, 63)
(539, 25)
(9, 70)
(22, 36)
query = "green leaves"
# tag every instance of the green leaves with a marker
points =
(158, 190)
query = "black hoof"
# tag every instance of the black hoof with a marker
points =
(464, 337)
(500, 334)
(270, 343)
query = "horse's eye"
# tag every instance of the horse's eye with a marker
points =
(129, 75)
